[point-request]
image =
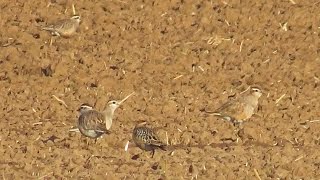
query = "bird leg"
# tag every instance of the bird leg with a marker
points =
(87, 142)
(152, 153)
(51, 41)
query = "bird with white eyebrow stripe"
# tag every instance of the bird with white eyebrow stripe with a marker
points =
(241, 108)
(92, 123)
(65, 27)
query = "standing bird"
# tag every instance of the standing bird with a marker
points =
(146, 139)
(94, 124)
(65, 27)
(241, 108)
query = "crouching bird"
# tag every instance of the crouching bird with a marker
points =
(146, 139)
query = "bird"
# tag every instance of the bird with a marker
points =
(240, 109)
(85, 107)
(92, 123)
(146, 139)
(65, 27)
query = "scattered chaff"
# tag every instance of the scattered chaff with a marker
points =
(105, 65)
(292, 1)
(316, 120)
(73, 10)
(284, 26)
(37, 138)
(266, 61)
(74, 130)
(241, 44)
(167, 138)
(204, 167)
(227, 22)
(201, 68)
(188, 43)
(37, 123)
(281, 97)
(9, 42)
(3, 177)
(216, 40)
(49, 4)
(178, 77)
(42, 177)
(300, 157)
(60, 100)
(163, 14)
(51, 41)
(124, 2)
(256, 173)
(126, 147)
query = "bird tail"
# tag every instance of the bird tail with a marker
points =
(163, 147)
(47, 28)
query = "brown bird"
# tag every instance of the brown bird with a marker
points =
(65, 27)
(241, 108)
(94, 124)
(146, 139)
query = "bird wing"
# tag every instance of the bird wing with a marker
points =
(92, 120)
(153, 139)
(61, 24)
(232, 110)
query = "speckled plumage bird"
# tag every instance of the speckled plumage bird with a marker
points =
(241, 108)
(146, 139)
(92, 123)
(65, 27)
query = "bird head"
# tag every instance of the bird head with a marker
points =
(256, 92)
(113, 104)
(76, 17)
(85, 107)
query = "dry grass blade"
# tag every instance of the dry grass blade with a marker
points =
(177, 77)
(126, 147)
(257, 174)
(73, 9)
(292, 2)
(60, 100)
(316, 120)
(167, 138)
(37, 123)
(299, 158)
(281, 97)
(9, 42)
(74, 130)
(51, 41)
(42, 177)
(241, 44)
(201, 68)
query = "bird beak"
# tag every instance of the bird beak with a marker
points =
(124, 99)
(143, 123)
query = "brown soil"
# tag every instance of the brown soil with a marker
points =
(180, 57)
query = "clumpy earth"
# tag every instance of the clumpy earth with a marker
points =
(180, 58)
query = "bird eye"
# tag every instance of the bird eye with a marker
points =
(113, 102)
